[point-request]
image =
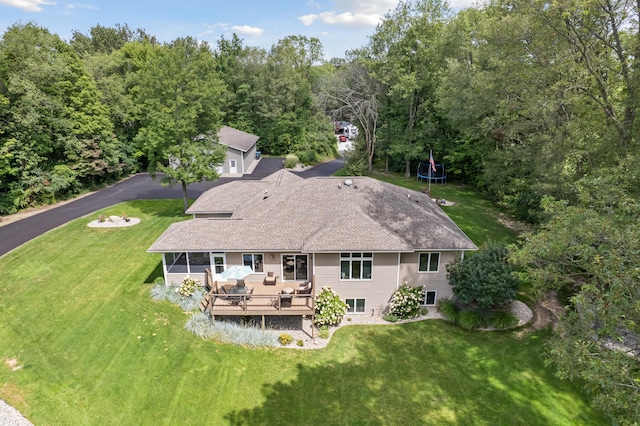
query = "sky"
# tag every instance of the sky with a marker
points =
(340, 25)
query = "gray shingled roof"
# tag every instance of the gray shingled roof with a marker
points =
(314, 215)
(236, 139)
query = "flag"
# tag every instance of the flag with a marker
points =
(433, 163)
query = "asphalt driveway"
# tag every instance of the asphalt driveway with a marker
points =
(140, 186)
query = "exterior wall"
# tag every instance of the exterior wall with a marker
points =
(272, 263)
(233, 154)
(431, 280)
(376, 292)
(249, 159)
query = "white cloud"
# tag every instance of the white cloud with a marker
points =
(73, 6)
(247, 30)
(28, 5)
(358, 20)
(352, 13)
(366, 7)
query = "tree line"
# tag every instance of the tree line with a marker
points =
(116, 101)
(530, 101)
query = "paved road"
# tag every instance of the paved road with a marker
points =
(140, 186)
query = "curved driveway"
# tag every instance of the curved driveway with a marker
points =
(140, 186)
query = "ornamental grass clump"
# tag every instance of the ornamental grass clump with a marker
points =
(449, 310)
(405, 301)
(330, 308)
(502, 319)
(471, 319)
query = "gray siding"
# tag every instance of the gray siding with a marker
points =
(431, 280)
(376, 291)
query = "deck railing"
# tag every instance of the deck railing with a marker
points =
(252, 304)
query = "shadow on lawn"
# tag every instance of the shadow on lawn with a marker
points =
(395, 376)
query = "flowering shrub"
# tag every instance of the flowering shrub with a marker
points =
(187, 287)
(329, 307)
(406, 300)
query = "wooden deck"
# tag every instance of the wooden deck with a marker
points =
(265, 300)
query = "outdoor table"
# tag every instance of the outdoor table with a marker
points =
(237, 290)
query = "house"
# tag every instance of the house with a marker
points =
(361, 236)
(241, 151)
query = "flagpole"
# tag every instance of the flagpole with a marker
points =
(430, 162)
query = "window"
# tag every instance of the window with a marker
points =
(198, 262)
(253, 260)
(355, 306)
(294, 267)
(356, 266)
(429, 262)
(430, 297)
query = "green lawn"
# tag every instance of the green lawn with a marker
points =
(94, 348)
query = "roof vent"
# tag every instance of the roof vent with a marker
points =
(348, 182)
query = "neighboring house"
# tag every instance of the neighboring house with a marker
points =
(241, 151)
(361, 236)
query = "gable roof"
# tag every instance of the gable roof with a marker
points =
(236, 139)
(284, 212)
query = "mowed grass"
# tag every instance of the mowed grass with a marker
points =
(94, 348)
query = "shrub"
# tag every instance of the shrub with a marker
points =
(471, 319)
(323, 332)
(290, 161)
(300, 342)
(424, 311)
(308, 157)
(449, 310)
(330, 309)
(285, 339)
(502, 319)
(158, 281)
(390, 317)
(485, 279)
(187, 287)
(405, 301)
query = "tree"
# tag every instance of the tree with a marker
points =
(52, 116)
(485, 279)
(591, 249)
(352, 92)
(545, 81)
(182, 97)
(407, 59)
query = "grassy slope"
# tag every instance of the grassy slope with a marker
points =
(94, 348)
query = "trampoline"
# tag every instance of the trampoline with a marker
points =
(425, 172)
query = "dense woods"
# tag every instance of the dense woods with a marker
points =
(532, 102)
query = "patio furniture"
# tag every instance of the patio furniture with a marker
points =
(249, 293)
(270, 279)
(285, 299)
(305, 288)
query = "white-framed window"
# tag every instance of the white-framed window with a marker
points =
(429, 262)
(355, 306)
(430, 297)
(254, 260)
(356, 266)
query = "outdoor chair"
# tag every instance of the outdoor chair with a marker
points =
(270, 279)
(304, 288)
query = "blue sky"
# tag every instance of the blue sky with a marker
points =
(339, 24)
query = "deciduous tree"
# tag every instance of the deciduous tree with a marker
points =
(182, 97)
